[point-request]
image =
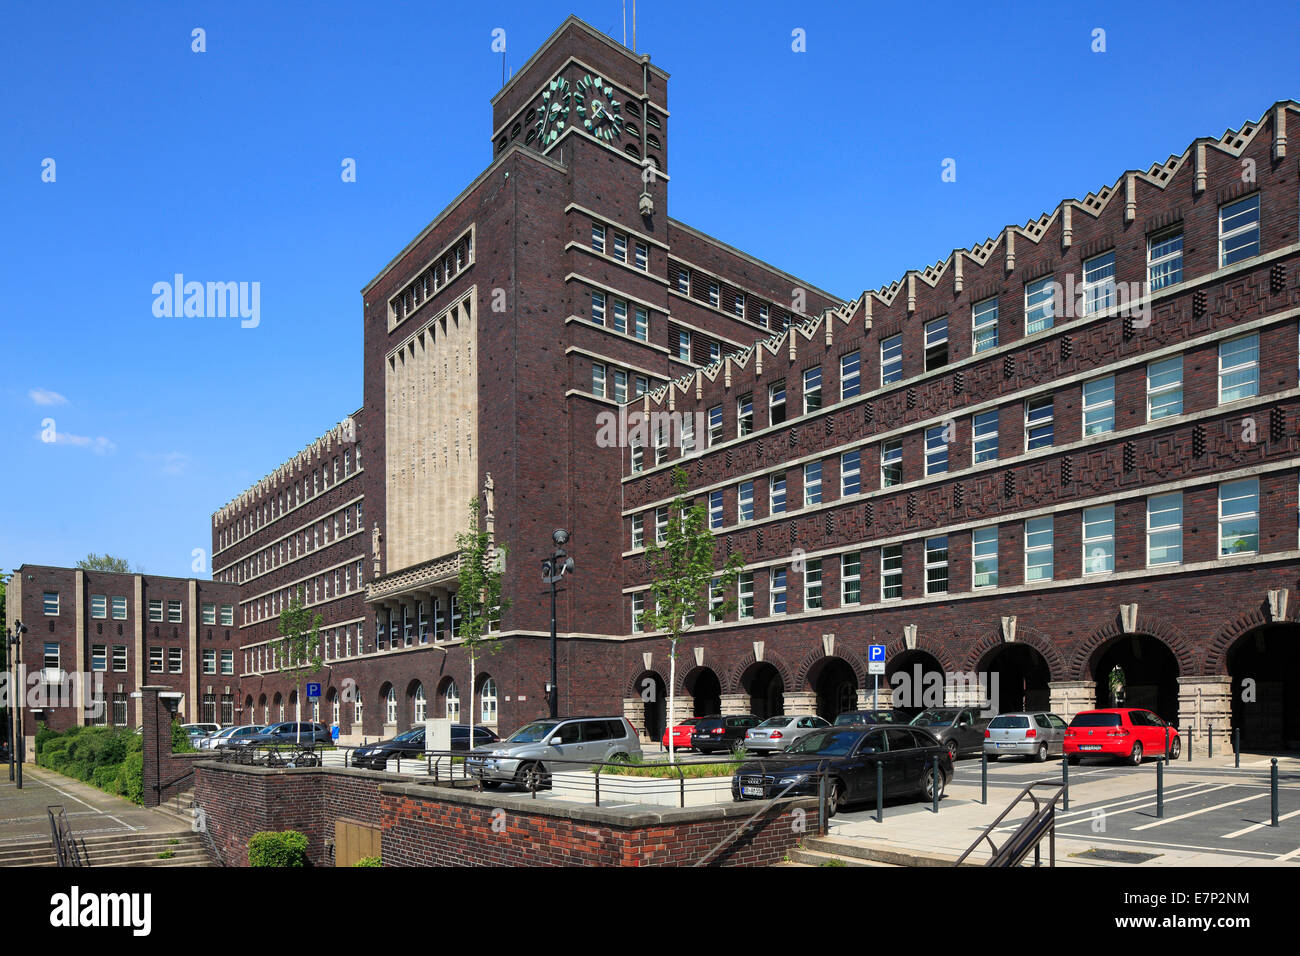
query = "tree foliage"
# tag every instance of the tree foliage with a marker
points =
(105, 562)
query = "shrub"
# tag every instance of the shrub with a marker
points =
(130, 778)
(105, 778)
(369, 861)
(181, 740)
(270, 848)
(42, 735)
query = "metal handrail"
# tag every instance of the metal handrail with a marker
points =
(66, 850)
(821, 810)
(1030, 833)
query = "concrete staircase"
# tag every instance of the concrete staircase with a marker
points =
(833, 851)
(132, 849)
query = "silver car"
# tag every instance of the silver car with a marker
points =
(528, 756)
(777, 733)
(1036, 734)
(222, 738)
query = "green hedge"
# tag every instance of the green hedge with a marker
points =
(270, 848)
(108, 758)
(369, 861)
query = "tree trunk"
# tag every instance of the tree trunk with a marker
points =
(672, 698)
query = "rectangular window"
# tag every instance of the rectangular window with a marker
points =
(642, 257)
(119, 658)
(891, 359)
(1040, 306)
(642, 385)
(1165, 388)
(1239, 368)
(119, 710)
(851, 578)
(51, 659)
(598, 237)
(598, 379)
(119, 609)
(984, 557)
(984, 436)
(1239, 517)
(227, 662)
(661, 526)
(812, 483)
(715, 425)
(812, 389)
(891, 462)
(1098, 289)
(642, 328)
(637, 456)
(850, 473)
(638, 612)
(936, 343)
(687, 433)
(738, 305)
(716, 598)
(891, 572)
(746, 501)
(936, 451)
(776, 489)
(50, 602)
(715, 509)
(1239, 230)
(776, 403)
(228, 611)
(1165, 529)
(776, 591)
(744, 415)
(173, 612)
(850, 375)
(620, 247)
(684, 281)
(715, 351)
(209, 661)
(620, 316)
(638, 531)
(99, 657)
(713, 293)
(620, 385)
(812, 585)
(984, 324)
(155, 660)
(936, 565)
(1099, 406)
(1165, 259)
(745, 594)
(1038, 423)
(684, 345)
(1099, 539)
(1038, 549)
(99, 606)
(661, 444)
(209, 613)
(598, 308)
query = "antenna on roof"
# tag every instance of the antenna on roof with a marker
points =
(633, 26)
(624, 22)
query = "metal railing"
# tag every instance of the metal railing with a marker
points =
(1028, 836)
(68, 851)
(767, 806)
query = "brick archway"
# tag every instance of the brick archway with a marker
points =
(732, 683)
(897, 647)
(632, 687)
(813, 658)
(1173, 639)
(1216, 655)
(991, 639)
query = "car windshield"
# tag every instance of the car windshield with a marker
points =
(532, 733)
(410, 735)
(934, 718)
(1095, 720)
(827, 743)
(1009, 720)
(776, 722)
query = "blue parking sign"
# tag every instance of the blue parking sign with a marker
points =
(313, 690)
(876, 653)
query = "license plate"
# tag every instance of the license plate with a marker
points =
(1089, 746)
(1006, 745)
(751, 791)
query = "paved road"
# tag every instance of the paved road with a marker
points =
(23, 812)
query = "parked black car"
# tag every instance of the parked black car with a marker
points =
(286, 733)
(376, 756)
(716, 733)
(867, 718)
(849, 757)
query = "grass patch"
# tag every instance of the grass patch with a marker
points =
(636, 767)
(166, 854)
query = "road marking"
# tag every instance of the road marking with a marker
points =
(1102, 838)
(1085, 814)
(1184, 816)
(1288, 856)
(46, 783)
(1256, 826)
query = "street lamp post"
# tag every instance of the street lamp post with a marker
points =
(15, 704)
(553, 569)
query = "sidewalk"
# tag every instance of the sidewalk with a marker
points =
(23, 814)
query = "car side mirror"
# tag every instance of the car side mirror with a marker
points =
(869, 750)
(556, 741)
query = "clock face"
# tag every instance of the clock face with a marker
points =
(599, 111)
(553, 111)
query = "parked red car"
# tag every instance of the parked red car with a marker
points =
(1127, 733)
(681, 734)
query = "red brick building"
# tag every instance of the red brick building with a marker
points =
(1068, 448)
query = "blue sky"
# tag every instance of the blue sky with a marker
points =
(225, 166)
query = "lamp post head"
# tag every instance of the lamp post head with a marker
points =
(560, 537)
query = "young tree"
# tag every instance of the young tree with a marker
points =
(299, 647)
(683, 580)
(104, 562)
(478, 597)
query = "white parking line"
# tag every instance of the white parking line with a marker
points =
(1288, 856)
(1087, 814)
(46, 783)
(1184, 816)
(1255, 826)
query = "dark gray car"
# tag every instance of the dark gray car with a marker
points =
(960, 729)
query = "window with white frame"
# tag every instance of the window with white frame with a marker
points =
(850, 375)
(642, 256)
(453, 702)
(99, 657)
(1165, 258)
(984, 557)
(642, 327)
(850, 473)
(487, 709)
(1239, 230)
(227, 662)
(1038, 423)
(984, 324)
(390, 706)
(936, 343)
(175, 660)
(891, 359)
(936, 450)
(1099, 406)
(812, 389)
(357, 713)
(1239, 368)
(155, 660)
(776, 402)
(812, 585)
(686, 433)
(209, 660)
(638, 612)
(1040, 305)
(851, 578)
(745, 594)
(891, 572)
(745, 501)
(598, 379)
(620, 316)
(738, 305)
(716, 599)
(684, 281)
(209, 612)
(744, 415)
(1098, 289)
(598, 308)
(683, 345)
(661, 442)
(1165, 388)
(620, 385)
(776, 591)
(620, 247)
(1239, 517)
(119, 658)
(1099, 539)
(661, 526)
(598, 237)
(173, 612)
(713, 294)
(776, 493)
(155, 610)
(812, 483)
(984, 436)
(936, 565)
(637, 456)
(119, 608)
(715, 425)
(1038, 549)
(715, 509)
(891, 462)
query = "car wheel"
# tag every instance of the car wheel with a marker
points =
(620, 758)
(834, 797)
(1135, 758)
(927, 783)
(952, 750)
(530, 776)
(1175, 748)
(1041, 754)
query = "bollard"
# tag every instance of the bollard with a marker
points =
(1273, 774)
(821, 802)
(1210, 744)
(880, 792)
(1236, 745)
(1160, 788)
(1191, 738)
(984, 778)
(934, 783)
(1065, 784)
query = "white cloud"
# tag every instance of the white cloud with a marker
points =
(99, 445)
(43, 396)
(173, 462)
